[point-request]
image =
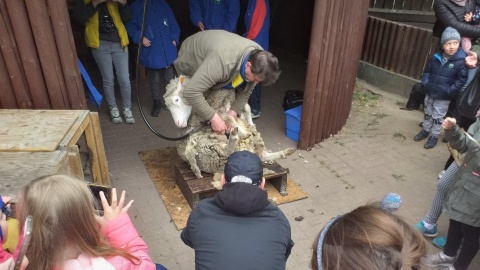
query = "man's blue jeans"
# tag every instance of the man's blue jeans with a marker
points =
(254, 99)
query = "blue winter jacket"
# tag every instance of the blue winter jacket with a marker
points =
(444, 81)
(215, 14)
(253, 24)
(161, 29)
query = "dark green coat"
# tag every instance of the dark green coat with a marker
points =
(463, 203)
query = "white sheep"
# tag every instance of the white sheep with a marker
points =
(204, 150)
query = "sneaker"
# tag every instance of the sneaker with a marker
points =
(429, 233)
(438, 259)
(421, 135)
(431, 142)
(115, 115)
(255, 114)
(127, 113)
(157, 107)
(440, 242)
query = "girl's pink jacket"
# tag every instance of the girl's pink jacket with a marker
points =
(121, 233)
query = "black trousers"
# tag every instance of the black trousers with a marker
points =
(465, 235)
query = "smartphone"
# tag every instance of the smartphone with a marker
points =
(27, 235)
(95, 189)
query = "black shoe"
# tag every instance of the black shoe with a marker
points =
(431, 142)
(157, 107)
(421, 124)
(421, 135)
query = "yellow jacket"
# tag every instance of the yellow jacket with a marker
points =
(92, 36)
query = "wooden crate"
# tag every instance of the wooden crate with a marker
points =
(18, 168)
(194, 189)
(54, 130)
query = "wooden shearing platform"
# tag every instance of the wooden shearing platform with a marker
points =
(194, 190)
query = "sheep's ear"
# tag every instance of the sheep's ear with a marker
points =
(179, 89)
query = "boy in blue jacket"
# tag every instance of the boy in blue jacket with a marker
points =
(442, 79)
(161, 37)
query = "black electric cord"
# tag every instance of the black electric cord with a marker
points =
(137, 85)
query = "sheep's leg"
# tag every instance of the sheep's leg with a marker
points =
(217, 181)
(247, 114)
(190, 155)
(242, 133)
(270, 157)
(232, 141)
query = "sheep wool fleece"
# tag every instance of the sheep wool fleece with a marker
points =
(213, 58)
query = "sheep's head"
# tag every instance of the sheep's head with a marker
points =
(178, 106)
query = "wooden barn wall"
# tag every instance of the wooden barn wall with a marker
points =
(38, 62)
(337, 35)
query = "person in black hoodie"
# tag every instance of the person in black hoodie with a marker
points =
(239, 228)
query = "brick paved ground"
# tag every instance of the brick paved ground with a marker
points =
(374, 154)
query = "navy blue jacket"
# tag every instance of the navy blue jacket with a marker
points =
(238, 229)
(257, 22)
(444, 81)
(215, 14)
(161, 29)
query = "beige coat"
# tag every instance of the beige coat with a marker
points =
(212, 58)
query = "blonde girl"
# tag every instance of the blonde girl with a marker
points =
(68, 234)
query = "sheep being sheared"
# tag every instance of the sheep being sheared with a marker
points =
(204, 150)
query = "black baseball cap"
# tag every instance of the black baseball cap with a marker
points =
(244, 167)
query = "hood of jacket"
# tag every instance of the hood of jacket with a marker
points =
(241, 198)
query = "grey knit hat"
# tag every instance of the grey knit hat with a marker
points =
(449, 34)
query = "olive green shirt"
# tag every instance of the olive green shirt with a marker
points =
(212, 58)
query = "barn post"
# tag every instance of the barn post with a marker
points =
(332, 67)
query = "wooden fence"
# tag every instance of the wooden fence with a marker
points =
(414, 5)
(398, 47)
(38, 61)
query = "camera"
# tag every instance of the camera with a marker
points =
(105, 20)
(106, 23)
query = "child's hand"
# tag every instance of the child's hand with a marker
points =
(471, 60)
(449, 123)
(115, 210)
(468, 17)
(6, 200)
